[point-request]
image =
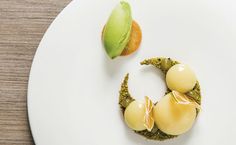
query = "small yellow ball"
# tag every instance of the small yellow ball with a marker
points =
(134, 115)
(173, 118)
(180, 78)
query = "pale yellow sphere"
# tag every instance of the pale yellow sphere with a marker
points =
(180, 78)
(173, 118)
(134, 115)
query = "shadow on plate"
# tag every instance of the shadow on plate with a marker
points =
(113, 66)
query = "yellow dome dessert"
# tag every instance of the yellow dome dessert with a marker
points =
(173, 118)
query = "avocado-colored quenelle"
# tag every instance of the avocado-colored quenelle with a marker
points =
(117, 31)
(166, 125)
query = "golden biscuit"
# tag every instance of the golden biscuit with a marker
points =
(135, 39)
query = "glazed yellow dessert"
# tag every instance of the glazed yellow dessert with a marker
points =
(176, 111)
(173, 118)
(138, 115)
(134, 115)
(181, 78)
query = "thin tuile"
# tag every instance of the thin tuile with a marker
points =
(183, 99)
(148, 118)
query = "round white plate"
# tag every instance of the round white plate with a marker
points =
(73, 86)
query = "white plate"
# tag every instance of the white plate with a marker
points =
(73, 87)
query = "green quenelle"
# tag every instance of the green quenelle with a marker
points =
(116, 34)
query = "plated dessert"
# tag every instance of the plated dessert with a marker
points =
(121, 35)
(176, 111)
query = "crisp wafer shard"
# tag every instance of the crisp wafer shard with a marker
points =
(181, 98)
(148, 118)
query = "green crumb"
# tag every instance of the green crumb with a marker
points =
(155, 134)
(164, 64)
(125, 99)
